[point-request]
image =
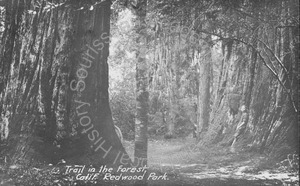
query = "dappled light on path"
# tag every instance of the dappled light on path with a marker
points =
(215, 166)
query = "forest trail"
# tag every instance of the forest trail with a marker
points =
(187, 165)
(184, 163)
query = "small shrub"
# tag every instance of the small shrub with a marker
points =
(290, 164)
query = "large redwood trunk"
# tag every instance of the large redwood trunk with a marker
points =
(54, 77)
(252, 78)
(93, 115)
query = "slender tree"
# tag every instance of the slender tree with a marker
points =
(204, 90)
(142, 94)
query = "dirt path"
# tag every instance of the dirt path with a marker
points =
(183, 163)
(187, 164)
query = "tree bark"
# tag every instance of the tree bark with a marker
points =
(66, 68)
(98, 139)
(142, 94)
(204, 92)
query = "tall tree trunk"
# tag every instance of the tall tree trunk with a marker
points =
(99, 143)
(173, 86)
(204, 91)
(17, 141)
(142, 94)
(69, 57)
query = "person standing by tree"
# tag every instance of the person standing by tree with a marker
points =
(240, 127)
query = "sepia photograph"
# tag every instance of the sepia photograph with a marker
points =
(149, 92)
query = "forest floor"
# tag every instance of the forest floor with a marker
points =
(186, 164)
(182, 162)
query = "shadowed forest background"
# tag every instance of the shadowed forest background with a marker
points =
(197, 88)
